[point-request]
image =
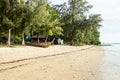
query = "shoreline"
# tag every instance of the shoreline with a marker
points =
(78, 63)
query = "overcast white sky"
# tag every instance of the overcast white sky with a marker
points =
(110, 11)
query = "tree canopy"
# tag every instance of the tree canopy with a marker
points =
(71, 21)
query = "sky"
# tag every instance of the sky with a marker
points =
(110, 11)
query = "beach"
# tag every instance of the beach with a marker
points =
(52, 63)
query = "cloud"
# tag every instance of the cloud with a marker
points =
(109, 9)
(110, 13)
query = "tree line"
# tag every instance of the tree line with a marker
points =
(72, 22)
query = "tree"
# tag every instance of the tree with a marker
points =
(53, 27)
(15, 16)
(38, 17)
(6, 8)
(79, 26)
(89, 34)
(95, 20)
(46, 21)
(77, 9)
(26, 15)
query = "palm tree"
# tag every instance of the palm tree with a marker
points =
(53, 27)
(5, 9)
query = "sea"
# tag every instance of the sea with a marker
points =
(110, 65)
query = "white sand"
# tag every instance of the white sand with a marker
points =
(16, 53)
(77, 65)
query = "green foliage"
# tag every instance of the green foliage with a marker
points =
(46, 21)
(38, 17)
(78, 26)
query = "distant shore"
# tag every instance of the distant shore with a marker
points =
(53, 63)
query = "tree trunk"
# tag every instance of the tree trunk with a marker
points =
(52, 42)
(38, 40)
(73, 36)
(9, 38)
(23, 38)
(46, 39)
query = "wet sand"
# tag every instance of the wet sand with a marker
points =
(53, 63)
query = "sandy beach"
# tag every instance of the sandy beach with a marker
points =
(52, 63)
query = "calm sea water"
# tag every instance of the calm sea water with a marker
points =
(110, 66)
